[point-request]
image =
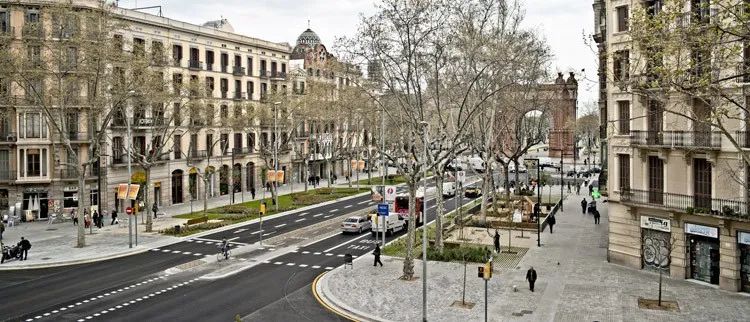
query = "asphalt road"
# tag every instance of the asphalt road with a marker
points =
(135, 288)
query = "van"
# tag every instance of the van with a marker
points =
(449, 189)
(393, 223)
(476, 164)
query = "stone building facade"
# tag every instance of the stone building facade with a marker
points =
(675, 202)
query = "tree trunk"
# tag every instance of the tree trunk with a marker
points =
(369, 166)
(506, 180)
(205, 193)
(439, 212)
(482, 198)
(409, 258)
(515, 163)
(660, 283)
(81, 241)
(306, 173)
(349, 174)
(149, 221)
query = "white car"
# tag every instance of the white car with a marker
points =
(392, 224)
(356, 224)
(449, 189)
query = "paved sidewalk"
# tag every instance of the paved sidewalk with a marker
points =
(54, 244)
(575, 284)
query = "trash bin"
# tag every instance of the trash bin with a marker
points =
(177, 229)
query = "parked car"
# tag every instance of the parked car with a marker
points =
(472, 192)
(449, 189)
(393, 223)
(356, 224)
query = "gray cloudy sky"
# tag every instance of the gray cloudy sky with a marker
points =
(563, 22)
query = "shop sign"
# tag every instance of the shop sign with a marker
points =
(701, 230)
(743, 237)
(655, 223)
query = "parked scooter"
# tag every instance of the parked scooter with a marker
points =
(11, 252)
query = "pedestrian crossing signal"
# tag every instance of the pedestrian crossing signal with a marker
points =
(481, 272)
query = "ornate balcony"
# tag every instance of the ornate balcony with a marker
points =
(691, 204)
(676, 139)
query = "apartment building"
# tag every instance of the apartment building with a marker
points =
(675, 201)
(239, 71)
(325, 146)
(600, 37)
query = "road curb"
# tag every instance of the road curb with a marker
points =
(318, 286)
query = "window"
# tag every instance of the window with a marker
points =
(139, 145)
(224, 112)
(224, 85)
(139, 47)
(238, 111)
(224, 143)
(624, 172)
(622, 18)
(70, 199)
(701, 183)
(34, 55)
(210, 144)
(117, 149)
(157, 52)
(238, 142)
(71, 59)
(210, 86)
(176, 114)
(31, 125)
(194, 144)
(157, 112)
(176, 82)
(177, 54)
(4, 21)
(177, 147)
(251, 142)
(624, 117)
(701, 10)
(34, 162)
(250, 67)
(655, 180)
(210, 114)
(621, 65)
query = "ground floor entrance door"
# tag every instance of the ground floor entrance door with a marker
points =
(704, 259)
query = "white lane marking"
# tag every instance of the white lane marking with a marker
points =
(279, 226)
(316, 253)
(165, 250)
(316, 266)
(231, 239)
(187, 253)
(347, 206)
(302, 214)
(363, 202)
(327, 216)
(271, 233)
(301, 219)
(290, 264)
(302, 265)
(256, 232)
(198, 241)
(154, 249)
(344, 243)
(266, 262)
(329, 254)
(198, 254)
(278, 263)
(329, 268)
(306, 252)
(240, 230)
(318, 215)
(334, 210)
(176, 252)
(340, 255)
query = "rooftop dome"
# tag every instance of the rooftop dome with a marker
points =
(309, 38)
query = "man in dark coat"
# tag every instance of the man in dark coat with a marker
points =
(25, 245)
(376, 252)
(496, 240)
(252, 192)
(596, 216)
(531, 277)
(551, 222)
(583, 206)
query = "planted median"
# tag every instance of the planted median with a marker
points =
(232, 214)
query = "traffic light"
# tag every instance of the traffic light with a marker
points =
(488, 270)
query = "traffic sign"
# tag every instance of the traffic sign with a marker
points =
(129, 210)
(390, 193)
(383, 209)
(461, 176)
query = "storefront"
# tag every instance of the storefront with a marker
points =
(703, 243)
(656, 234)
(743, 243)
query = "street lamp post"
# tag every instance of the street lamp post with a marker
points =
(424, 222)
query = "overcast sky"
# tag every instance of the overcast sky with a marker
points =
(564, 23)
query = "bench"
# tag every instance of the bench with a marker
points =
(198, 220)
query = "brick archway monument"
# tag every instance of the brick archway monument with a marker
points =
(562, 97)
(557, 102)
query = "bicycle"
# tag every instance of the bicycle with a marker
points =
(226, 253)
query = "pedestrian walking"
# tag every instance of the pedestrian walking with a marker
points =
(86, 218)
(252, 192)
(531, 277)
(2, 230)
(114, 217)
(25, 245)
(268, 186)
(155, 209)
(583, 206)
(596, 216)
(496, 241)
(578, 190)
(97, 219)
(568, 187)
(551, 222)
(75, 218)
(591, 190)
(376, 252)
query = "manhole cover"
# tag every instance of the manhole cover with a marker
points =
(51, 229)
(46, 258)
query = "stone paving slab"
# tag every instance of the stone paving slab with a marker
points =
(583, 287)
